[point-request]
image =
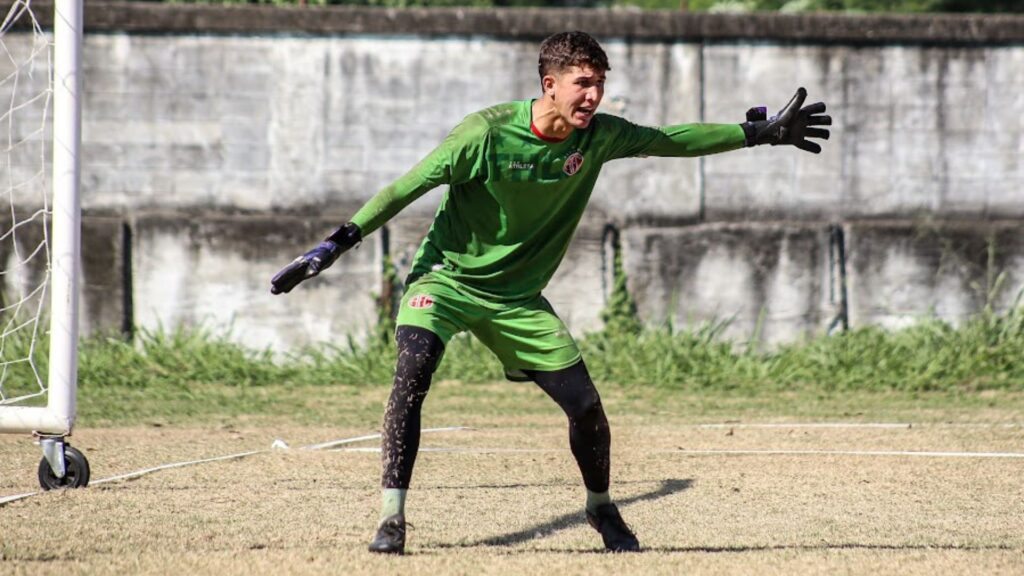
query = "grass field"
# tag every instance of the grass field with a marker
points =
(690, 472)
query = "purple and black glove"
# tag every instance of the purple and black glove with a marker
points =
(316, 260)
(793, 125)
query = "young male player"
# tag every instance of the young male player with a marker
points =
(520, 175)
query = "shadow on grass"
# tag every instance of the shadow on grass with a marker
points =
(668, 487)
(552, 484)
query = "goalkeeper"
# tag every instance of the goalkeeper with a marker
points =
(520, 175)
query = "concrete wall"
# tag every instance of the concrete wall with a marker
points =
(220, 142)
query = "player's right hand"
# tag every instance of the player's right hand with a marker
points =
(306, 266)
(316, 260)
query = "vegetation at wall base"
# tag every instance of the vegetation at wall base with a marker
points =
(388, 301)
(620, 314)
(931, 355)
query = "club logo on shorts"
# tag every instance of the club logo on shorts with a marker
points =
(573, 163)
(421, 301)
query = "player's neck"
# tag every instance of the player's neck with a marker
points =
(548, 121)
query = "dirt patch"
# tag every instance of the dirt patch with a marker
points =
(509, 500)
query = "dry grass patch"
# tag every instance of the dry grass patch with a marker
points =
(507, 499)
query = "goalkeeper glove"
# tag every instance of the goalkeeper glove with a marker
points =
(316, 260)
(792, 125)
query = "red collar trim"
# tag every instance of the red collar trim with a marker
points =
(536, 132)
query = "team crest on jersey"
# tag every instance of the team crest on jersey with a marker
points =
(421, 301)
(573, 163)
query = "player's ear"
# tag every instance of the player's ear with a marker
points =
(548, 84)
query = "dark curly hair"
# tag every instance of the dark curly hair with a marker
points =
(567, 49)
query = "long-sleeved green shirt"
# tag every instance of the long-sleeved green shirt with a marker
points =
(515, 199)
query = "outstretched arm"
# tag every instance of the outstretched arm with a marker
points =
(694, 140)
(458, 159)
(792, 125)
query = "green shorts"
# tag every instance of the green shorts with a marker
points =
(524, 336)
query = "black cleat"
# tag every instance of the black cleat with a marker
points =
(390, 538)
(616, 534)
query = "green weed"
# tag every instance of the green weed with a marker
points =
(198, 374)
(982, 353)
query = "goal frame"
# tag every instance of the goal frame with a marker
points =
(57, 418)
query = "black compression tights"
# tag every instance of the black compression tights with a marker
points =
(418, 353)
(589, 435)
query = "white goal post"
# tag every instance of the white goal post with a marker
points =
(57, 417)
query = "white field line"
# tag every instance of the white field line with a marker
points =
(334, 443)
(376, 449)
(15, 497)
(882, 425)
(143, 472)
(928, 454)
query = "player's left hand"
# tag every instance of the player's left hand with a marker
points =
(793, 124)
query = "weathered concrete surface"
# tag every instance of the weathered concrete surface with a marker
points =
(303, 125)
(230, 140)
(917, 131)
(292, 124)
(215, 273)
(770, 280)
(257, 124)
(103, 305)
(23, 285)
(901, 272)
(218, 278)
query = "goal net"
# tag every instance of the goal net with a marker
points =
(39, 215)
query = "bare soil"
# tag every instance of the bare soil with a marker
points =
(505, 497)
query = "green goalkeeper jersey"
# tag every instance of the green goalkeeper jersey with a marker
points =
(514, 199)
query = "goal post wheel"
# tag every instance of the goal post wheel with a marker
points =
(62, 466)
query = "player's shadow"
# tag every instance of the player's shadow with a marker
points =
(668, 487)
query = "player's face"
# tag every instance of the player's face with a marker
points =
(577, 92)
